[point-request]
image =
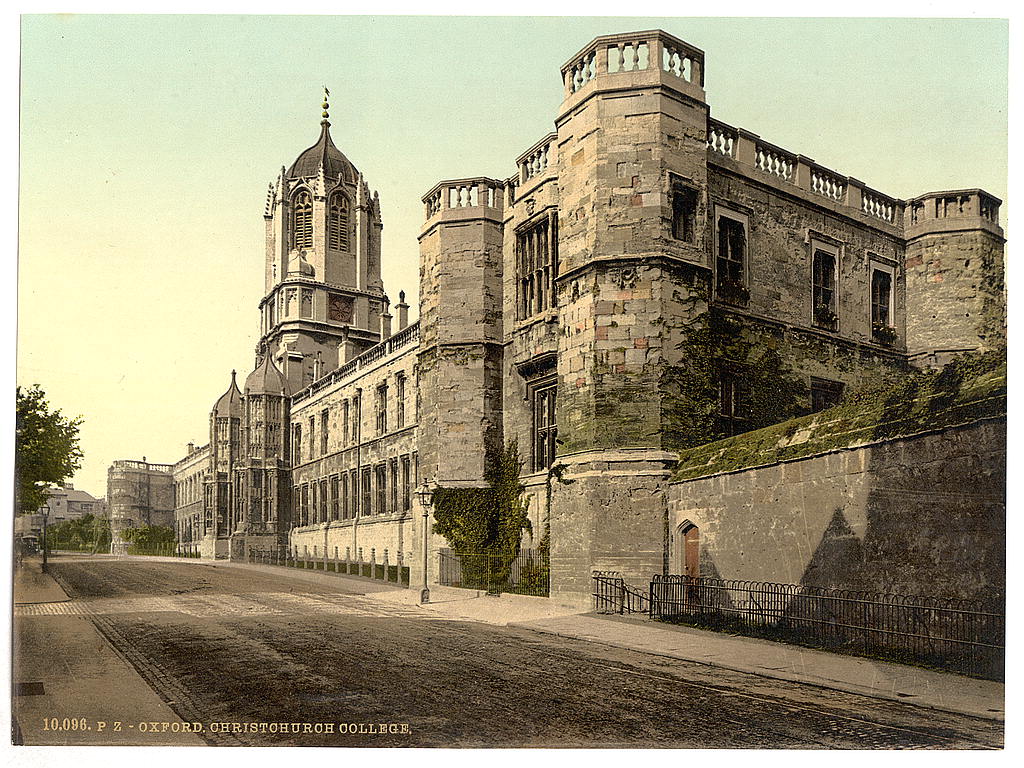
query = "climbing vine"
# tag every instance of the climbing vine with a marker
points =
(716, 344)
(490, 519)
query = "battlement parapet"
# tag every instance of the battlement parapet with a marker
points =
(750, 151)
(464, 198)
(953, 210)
(651, 51)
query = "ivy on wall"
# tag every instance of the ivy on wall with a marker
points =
(714, 344)
(970, 388)
(490, 519)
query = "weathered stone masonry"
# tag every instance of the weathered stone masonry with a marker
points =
(573, 309)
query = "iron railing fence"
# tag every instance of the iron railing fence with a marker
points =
(397, 574)
(960, 635)
(84, 547)
(527, 572)
(613, 595)
(159, 550)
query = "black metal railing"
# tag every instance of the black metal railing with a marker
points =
(160, 550)
(156, 550)
(392, 572)
(613, 595)
(960, 635)
(526, 572)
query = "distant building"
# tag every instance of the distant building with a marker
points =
(63, 503)
(138, 493)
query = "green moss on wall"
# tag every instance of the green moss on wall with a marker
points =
(969, 388)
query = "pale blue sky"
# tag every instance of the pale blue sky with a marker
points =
(147, 144)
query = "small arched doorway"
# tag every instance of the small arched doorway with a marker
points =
(687, 550)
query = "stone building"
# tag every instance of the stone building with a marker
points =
(139, 493)
(650, 279)
(63, 503)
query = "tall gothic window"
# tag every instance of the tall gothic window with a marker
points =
(364, 507)
(545, 428)
(734, 402)
(337, 222)
(335, 498)
(406, 482)
(323, 502)
(382, 489)
(536, 266)
(684, 212)
(302, 220)
(400, 401)
(382, 409)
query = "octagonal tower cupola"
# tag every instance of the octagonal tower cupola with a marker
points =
(323, 285)
(323, 155)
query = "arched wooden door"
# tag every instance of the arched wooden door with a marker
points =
(691, 551)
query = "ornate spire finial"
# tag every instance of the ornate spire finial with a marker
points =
(325, 105)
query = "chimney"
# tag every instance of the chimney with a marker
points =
(403, 311)
(385, 324)
(191, 449)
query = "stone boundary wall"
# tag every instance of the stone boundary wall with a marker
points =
(923, 514)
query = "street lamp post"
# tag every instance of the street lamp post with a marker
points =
(426, 497)
(45, 509)
(45, 542)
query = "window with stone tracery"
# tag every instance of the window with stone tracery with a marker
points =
(536, 266)
(545, 427)
(338, 222)
(302, 220)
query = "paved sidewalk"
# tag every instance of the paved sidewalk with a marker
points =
(31, 585)
(72, 672)
(868, 677)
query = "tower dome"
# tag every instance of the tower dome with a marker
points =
(229, 406)
(266, 380)
(335, 164)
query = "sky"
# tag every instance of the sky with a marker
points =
(147, 144)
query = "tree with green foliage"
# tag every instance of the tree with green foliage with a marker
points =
(148, 537)
(46, 448)
(86, 533)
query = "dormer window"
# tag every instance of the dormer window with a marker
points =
(302, 220)
(337, 222)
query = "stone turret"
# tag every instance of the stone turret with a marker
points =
(955, 284)
(460, 329)
(262, 471)
(632, 161)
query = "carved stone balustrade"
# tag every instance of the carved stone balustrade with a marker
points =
(630, 53)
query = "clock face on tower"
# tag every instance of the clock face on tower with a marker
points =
(339, 309)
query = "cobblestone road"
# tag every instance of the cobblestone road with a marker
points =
(241, 646)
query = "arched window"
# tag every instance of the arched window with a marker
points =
(337, 223)
(302, 220)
